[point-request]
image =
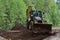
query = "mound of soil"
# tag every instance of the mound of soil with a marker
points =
(19, 32)
(22, 36)
(18, 27)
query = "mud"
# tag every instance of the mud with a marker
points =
(19, 32)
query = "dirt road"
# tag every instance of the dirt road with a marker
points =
(23, 34)
(53, 37)
(1, 38)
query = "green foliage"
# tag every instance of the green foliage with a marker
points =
(39, 5)
(58, 3)
(12, 12)
(52, 13)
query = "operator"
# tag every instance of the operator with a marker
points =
(39, 18)
(37, 15)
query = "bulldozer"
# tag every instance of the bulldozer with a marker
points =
(35, 22)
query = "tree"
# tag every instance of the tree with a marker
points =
(52, 13)
(12, 12)
(39, 5)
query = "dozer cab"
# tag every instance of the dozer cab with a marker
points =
(35, 21)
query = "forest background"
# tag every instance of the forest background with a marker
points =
(14, 11)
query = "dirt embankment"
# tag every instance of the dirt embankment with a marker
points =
(19, 32)
(18, 27)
